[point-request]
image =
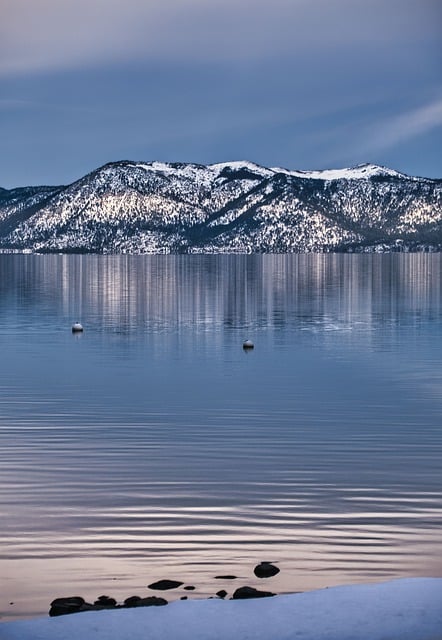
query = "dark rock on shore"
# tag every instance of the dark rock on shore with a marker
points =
(244, 593)
(63, 606)
(265, 570)
(76, 604)
(149, 601)
(164, 585)
(106, 601)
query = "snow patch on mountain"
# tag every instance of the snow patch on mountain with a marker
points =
(362, 171)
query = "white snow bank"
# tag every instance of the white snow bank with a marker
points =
(409, 609)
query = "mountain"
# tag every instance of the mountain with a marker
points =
(155, 207)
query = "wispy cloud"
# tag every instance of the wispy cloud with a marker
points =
(20, 105)
(405, 126)
(12, 103)
(373, 134)
(51, 34)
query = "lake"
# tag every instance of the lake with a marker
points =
(153, 446)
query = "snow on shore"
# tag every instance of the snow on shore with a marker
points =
(408, 609)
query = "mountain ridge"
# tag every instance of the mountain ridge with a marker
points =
(240, 206)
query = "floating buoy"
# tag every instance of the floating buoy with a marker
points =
(248, 344)
(77, 327)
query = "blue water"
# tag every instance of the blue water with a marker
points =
(153, 446)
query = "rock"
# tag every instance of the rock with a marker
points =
(63, 606)
(75, 604)
(150, 601)
(164, 585)
(244, 593)
(132, 601)
(105, 601)
(225, 577)
(97, 606)
(221, 594)
(265, 570)
(189, 588)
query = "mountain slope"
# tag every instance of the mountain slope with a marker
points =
(136, 207)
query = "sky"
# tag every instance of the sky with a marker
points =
(301, 84)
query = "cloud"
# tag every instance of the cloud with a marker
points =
(51, 34)
(373, 134)
(408, 125)
(392, 131)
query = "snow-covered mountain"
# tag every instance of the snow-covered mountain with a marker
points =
(156, 207)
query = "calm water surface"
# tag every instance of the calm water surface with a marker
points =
(153, 446)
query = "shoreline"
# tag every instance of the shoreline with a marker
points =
(404, 609)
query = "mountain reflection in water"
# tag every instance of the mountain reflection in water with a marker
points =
(152, 446)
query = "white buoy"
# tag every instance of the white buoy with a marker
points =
(77, 327)
(248, 344)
